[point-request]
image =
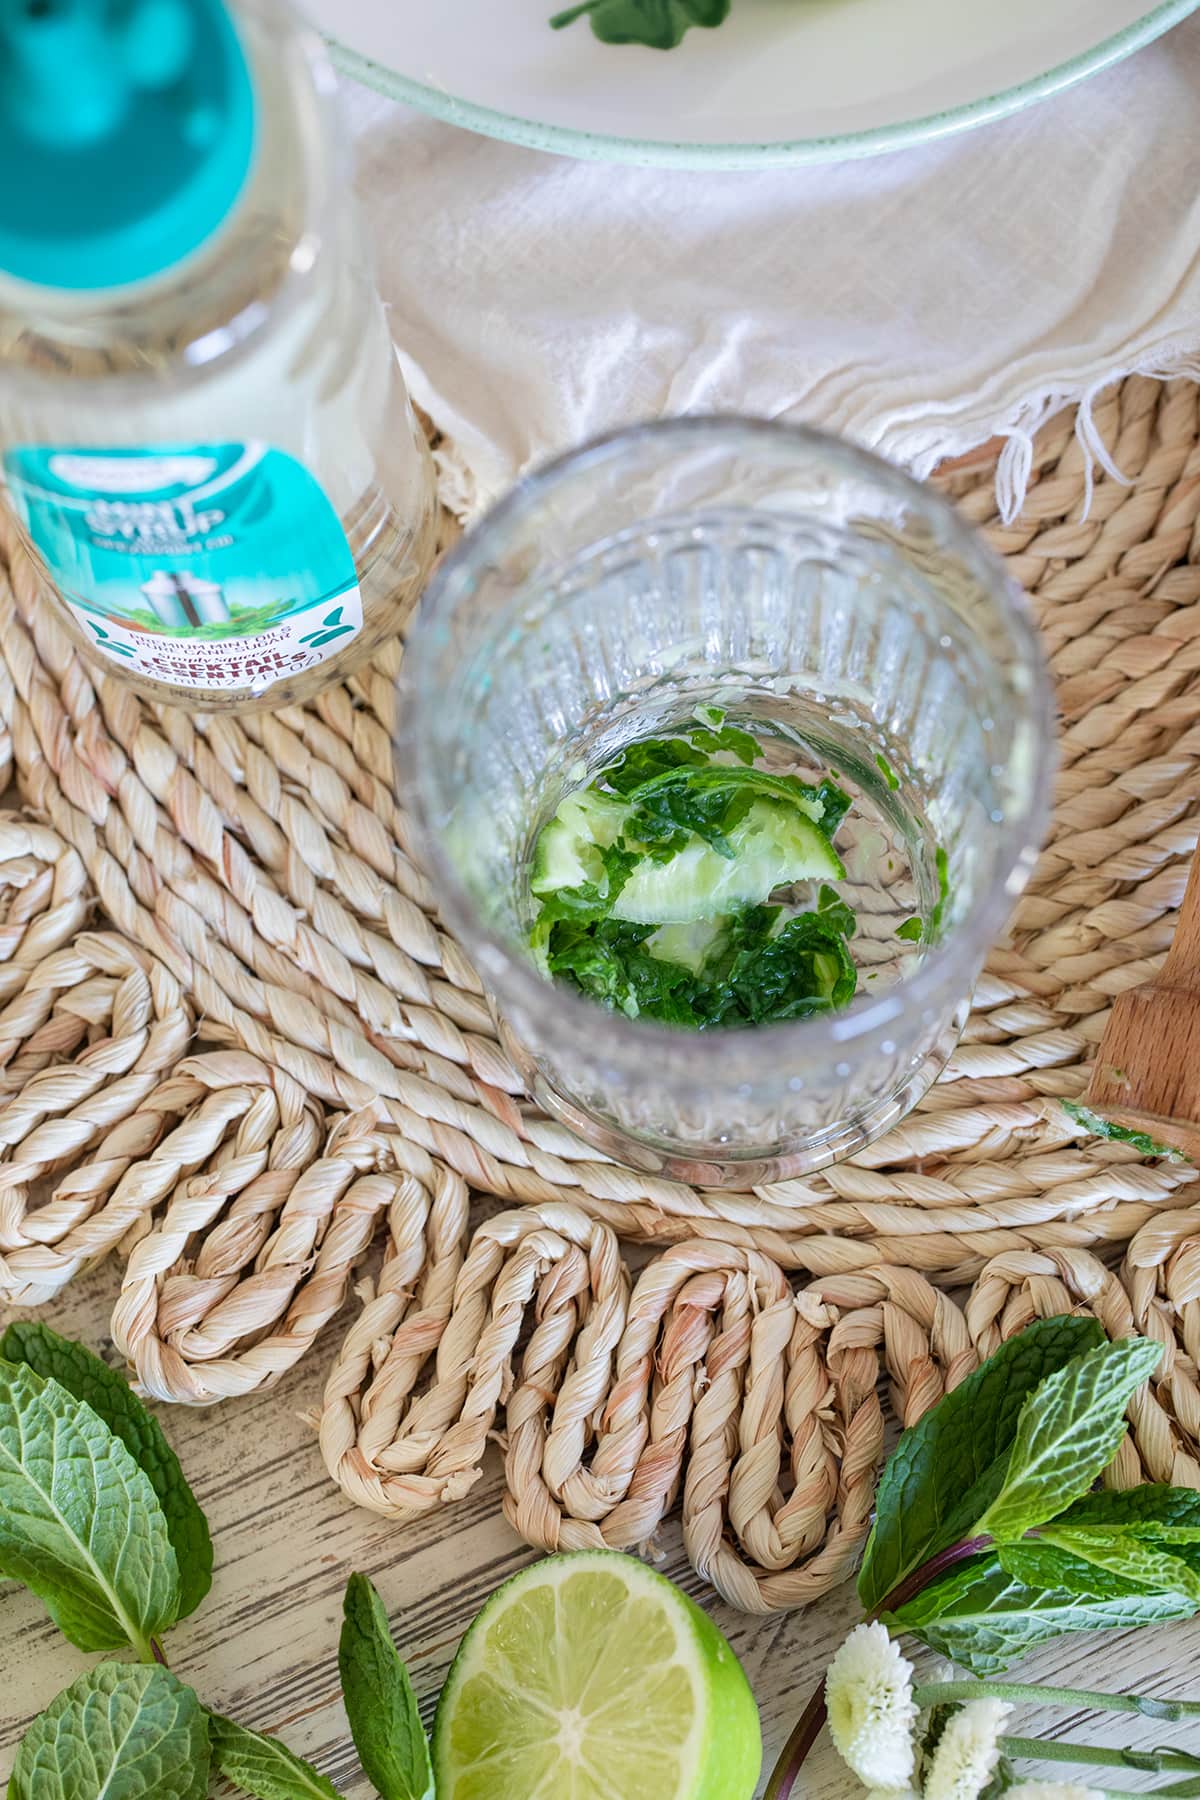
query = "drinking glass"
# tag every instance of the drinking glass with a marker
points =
(850, 619)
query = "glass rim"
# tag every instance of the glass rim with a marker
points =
(704, 1055)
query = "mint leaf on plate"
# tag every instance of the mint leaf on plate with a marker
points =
(1068, 1433)
(262, 1766)
(659, 23)
(380, 1703)
(80, 1523)
(948, 1468)
(122, 1729)
(984, 1619)
(110, 1395)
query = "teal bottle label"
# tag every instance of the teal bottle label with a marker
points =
(219, 566)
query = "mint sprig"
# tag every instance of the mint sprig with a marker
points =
(97, 1518)
(948, 1468)
(986, 1540)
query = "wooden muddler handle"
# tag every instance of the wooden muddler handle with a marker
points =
(1147, 1074)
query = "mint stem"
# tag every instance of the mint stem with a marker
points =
(1062, 1750)
(937, 1693)
(913, 1584)
(787, 1769)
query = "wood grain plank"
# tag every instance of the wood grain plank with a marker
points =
(263, 1647)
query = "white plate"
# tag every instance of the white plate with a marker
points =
(781, 81)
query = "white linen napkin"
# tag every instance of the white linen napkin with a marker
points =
(920, 301)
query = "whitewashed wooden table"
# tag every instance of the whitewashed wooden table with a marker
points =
(263, 1646)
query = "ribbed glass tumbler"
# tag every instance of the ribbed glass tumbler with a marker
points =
(822, 600)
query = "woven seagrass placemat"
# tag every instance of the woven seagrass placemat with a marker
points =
(263, 864)
(237, 1047)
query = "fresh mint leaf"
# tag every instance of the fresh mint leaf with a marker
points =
(123, 1731)
(1120, 1134)
(835, 912)
(1148, 1564)
(380, 1702)
(262, 1766)
(1067, 1435)
(984, 1619)
(1148, 1510)
(725, 737)
(110, 1395)
(1038, 1564)
(835, 804)
(942, 865)
(710, 801)
(911, 931)
(948, 1468)
(591, 901)
(804, 969)
(659, 23)
(80, 1523)
(642, 760)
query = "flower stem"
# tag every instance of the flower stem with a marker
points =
(936, 1692)
(1061, 1750)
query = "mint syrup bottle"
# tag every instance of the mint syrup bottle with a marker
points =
(203, 428)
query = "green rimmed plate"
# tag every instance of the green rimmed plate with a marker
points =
(782, 81)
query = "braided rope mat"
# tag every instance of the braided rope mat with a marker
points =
(244, 888)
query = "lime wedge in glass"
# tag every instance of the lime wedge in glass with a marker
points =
(589, 1677)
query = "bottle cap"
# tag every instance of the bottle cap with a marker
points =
(127, 132)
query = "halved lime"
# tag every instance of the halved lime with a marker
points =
(589, 1677)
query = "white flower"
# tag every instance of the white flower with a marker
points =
(868, 1692)
(966, 1754)
(1052, 1790)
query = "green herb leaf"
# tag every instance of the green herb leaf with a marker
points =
(642, 760)
(380, 1702)
(942, 864)
(835, 912)
(710, 801)
(262, 1766)
(1038, 1564)
(1067, 1435)
(1119, 1134)
(591, 900)
(835, 804)
(947, 1469)
(109, 1395)
(886, 770)
(725, 737)
(1132, 1559)
(984, 1619)
(122, 1731)
(1151, 1510)
(911, 930)
(659, 23)
(80, 1523)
